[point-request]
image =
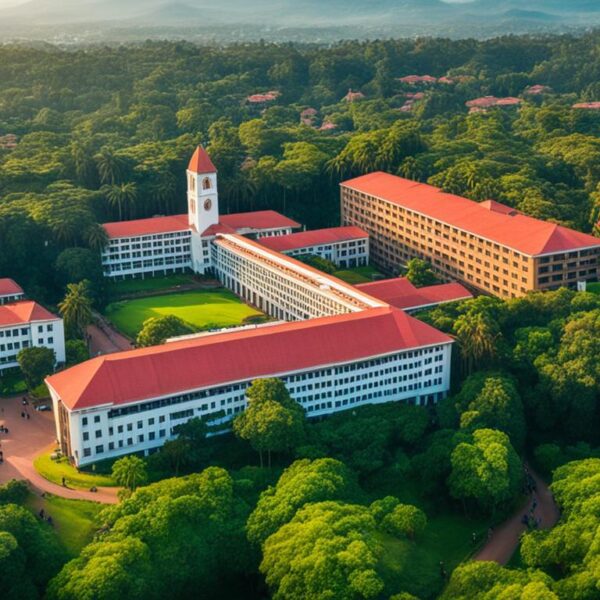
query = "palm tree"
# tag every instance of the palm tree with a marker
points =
(110, 166)
(121, 196)
(76, 307)
(84, 164)
(96, 238)
(476, 333)
(129, 472)
(164, 191)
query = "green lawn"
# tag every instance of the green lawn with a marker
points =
(358, 275)
(204, 309)
(593, 287)
(55, 470)
(74, 520)
(12, 383)
(149, 284)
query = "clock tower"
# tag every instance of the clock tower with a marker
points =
(203, 198)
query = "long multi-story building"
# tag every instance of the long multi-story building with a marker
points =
(25, 324)
(132, 401)
(491, 247)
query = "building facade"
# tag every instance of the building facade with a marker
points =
(328, 365)
(346, 247)
(179, 243)
(492, 248)
(26, 324)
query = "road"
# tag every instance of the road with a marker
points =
(505, 538)
(25, 440)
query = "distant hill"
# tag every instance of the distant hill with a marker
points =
(434, 16)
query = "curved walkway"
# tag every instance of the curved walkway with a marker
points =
(505, 538)
(28, 438)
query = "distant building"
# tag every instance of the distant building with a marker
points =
(587, 105)
(10, 291)
(417, 79)
(353, 96)
(490, 247)
(486, 102)
(347, 247)
(265, 98)
(538, 90)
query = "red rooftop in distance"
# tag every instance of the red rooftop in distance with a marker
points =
(304, 239)
(23, 311)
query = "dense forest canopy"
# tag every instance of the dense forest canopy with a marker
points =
(105, 133)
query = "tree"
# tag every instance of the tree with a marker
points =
(157, 330)
(110, 166)
(477, 334)
(76, 264)
(273, 421)
(76, 352)
(76, 307)
(301, 483)
(497, 406)
(419, 273)
(122, 196)
(129, 471)
(96, 238)
(482, 580)
(405, 519)
(328, 550)
(36, 364)
(485, 469)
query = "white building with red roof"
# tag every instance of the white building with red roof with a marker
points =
(25, 324)
(347, 247)
(177, 243)
(10, 291)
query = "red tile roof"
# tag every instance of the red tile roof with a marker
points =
(260, 219)
(304, 239)
(489, 101)
(525, 234)
(200, 162)
(236, 356)
(23, 311)
(412, 79)
(401, 293)
(9, 287)
(120, 229)
(588, 105)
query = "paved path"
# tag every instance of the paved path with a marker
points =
(104, 339)
(505, 538)
(28, 438)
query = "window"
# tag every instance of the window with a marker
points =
(84, 421)
(206, 183)
(86, 436)
(87, 452)
(97, 419)
(99, 449)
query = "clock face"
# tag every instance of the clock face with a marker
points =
(207, 204)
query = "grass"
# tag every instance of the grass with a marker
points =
(74, 520)
(12, 383)
(593, 287)
(149, 284)
(358, 275)
(204, 309)
(55, 470)
(414, 566)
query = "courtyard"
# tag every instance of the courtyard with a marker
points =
(201, 309)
